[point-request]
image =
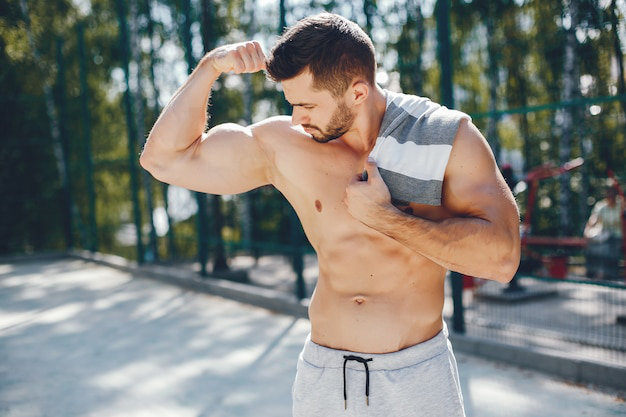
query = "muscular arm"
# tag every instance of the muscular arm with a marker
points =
(480, 239)
(227, 159)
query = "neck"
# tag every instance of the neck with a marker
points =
(362, 136)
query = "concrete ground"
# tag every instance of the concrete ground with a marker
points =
(80, 339)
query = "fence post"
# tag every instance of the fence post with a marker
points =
(203, 247)
(93, 228)
(443, 50)
(151, 250)
(68, 212)
(447, 99)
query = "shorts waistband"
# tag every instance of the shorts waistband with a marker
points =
(324, 357)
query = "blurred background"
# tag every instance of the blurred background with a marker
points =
(82, 82)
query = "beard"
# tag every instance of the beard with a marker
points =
(339, 124)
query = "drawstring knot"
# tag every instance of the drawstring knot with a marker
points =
(367, 378)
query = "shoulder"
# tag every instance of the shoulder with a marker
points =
(274, 122)
(472, 165)
(276, 135)
(419, 106)
(468, 141)
(420, 120)
(472, 162)
(276, 129)
(271, 124)
(450, 124)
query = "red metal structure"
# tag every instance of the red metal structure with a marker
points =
(557, 265)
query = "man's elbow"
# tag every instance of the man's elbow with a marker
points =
(151, 163)
(147, 161)
(507, 271)
(507, 265)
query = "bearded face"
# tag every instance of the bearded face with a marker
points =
(339, 124)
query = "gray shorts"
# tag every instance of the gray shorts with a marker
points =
(421, 380)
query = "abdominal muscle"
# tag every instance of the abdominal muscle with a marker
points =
(377, 303)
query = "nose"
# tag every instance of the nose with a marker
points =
(298, 117)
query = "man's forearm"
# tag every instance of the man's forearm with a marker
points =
(184, 118)
(467, 245)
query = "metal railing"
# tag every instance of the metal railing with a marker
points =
(571, 317)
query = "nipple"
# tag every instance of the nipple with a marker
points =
(318, 206)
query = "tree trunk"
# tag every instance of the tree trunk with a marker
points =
(369, 9)
(156, 110)
(418, 79)
(55, 133)
(151, 251)
(619, 56)
(410, 48)
(209, 41)
(492, 50)
(569, 92)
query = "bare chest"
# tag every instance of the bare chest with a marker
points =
(314, 181)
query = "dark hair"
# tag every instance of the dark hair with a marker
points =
(334, 49)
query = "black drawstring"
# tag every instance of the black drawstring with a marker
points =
(367, 378)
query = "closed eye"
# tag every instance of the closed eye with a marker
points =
(306, 106)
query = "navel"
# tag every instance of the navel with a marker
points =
(318, 206)
(359, 300)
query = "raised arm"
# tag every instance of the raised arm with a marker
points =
(482, 236)
(228, 159)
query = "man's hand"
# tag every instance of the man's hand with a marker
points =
(239, 58)
(367, 195)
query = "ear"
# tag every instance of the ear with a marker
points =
(360, 91)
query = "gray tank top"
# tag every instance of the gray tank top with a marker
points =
(413, 147)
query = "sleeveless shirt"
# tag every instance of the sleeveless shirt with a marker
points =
(413, 147)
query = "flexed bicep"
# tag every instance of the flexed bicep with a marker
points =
(228, 159)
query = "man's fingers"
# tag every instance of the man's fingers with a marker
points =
(256, 52)
(238, 63)
(260, 55)
(247, 55)
(239, 58)
(252, 56)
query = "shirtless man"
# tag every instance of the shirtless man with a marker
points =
(376, 313)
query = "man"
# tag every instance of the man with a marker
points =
(604, 231)
(378, 345)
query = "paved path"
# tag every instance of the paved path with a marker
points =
(82, 340)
